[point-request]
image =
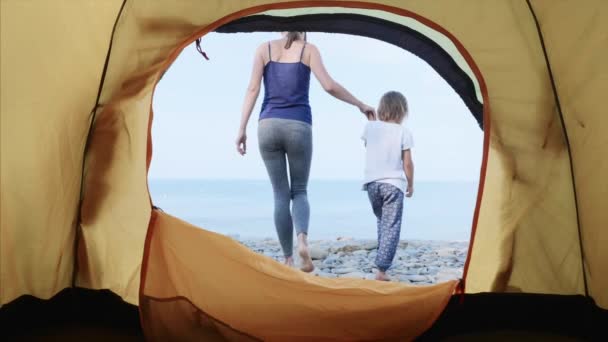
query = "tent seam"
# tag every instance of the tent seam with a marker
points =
(565, 132)
(92, 114)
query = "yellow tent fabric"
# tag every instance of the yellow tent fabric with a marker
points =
(224, 289)
(45, 113)
(529, 214)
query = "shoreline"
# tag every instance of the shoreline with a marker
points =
(417, 262)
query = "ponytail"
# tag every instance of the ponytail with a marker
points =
(293, 36)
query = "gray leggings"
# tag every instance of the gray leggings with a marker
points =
(280, 138)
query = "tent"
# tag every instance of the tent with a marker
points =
(77, 80)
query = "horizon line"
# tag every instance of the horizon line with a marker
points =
(310, 179)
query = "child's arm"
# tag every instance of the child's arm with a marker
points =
(408, 168)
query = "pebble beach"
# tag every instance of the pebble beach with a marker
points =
(417, 262)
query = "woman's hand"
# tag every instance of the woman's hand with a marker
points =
(368, 111)
(241, 142)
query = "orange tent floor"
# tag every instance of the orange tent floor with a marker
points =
(78, 314)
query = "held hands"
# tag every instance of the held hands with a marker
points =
(241, 142)
(368, 111)
(409, 191)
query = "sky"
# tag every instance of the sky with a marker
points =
(197, 110)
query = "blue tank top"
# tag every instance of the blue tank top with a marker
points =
(286, 87)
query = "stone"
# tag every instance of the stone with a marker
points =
(344, 270)
(432, 269)
(349, 262)
(348, 248)
(344, 238)
(370, 245)
(423, 271)
(411, 251)
(410, 271)
(446, 252)
(360, 252)
(403, 279)
(317, 252)
(331, 260)
(416, 278)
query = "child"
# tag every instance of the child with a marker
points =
(389, 173)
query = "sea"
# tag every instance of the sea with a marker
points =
(339, 208)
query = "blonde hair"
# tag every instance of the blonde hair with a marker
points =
(392, 107)
(293, 36)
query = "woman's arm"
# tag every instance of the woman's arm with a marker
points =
(408, 168)
(334, 88)
(251, 95)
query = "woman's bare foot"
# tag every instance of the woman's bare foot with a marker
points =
(307, 265)
(382, 276)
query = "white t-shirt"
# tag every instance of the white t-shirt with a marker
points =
(384, 145)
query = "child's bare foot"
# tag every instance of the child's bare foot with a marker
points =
(307, 265)
(289, 261)
(382, 276)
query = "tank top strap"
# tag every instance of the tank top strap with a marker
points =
(269, 56)
(302, 53)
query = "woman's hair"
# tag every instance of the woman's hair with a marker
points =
(293, 36)
(392, 107)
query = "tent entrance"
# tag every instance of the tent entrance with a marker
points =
(406, 30)
(418, 35)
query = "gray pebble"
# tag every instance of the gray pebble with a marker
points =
(370, 245)
(344, 270)
(417, 278)
(317, 252)
(360, 252)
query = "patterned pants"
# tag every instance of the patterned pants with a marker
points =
(387, 203)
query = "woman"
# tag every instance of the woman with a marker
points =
(285, 129)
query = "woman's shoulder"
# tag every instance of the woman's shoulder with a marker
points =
(264, 46)
(312, 47)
